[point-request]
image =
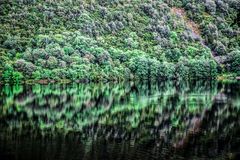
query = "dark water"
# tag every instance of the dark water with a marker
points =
(170, 120)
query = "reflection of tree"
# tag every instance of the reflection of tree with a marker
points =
(219, 127)
(169, 112)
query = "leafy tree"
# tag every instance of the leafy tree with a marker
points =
(7, 73)
(234, 61)
(202, 68)
(36, 75)
(210, 6)
(173, 55)
(17, 77)
(52, 62)
(11, 76)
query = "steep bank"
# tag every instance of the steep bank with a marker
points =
(116, 40)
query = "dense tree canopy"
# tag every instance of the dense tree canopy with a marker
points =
(114, 40)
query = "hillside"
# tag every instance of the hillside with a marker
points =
(102, 40)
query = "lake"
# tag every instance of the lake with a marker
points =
(145, 121)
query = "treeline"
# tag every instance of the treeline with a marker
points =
(76, 57)
(114, 40)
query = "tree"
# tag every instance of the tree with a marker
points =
(210, 6)
(11, 76)
(220, 49)
(7, 73)
(173, 55)
(36, 75)
(149, 68)
(52, 62)
(202, 68)
(13, 43)
(17, 77)
(25, 67)
(234, 61)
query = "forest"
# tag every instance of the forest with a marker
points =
(116, 40)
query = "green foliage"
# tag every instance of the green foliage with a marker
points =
(17, 77)
(11, 76)
(166, 71)
(202, 68)
(74, 108)
(148, 68)
(144, 68)
(182, 70)
(36, 75)
(102, 40)
(173, 55)
(7, 73)
(174, 37)
(234, 61)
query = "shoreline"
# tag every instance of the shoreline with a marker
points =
(226, 78)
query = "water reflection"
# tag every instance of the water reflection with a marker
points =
(169, 120)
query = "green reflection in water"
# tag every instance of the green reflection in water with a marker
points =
(168, 111)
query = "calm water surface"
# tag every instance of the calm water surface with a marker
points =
(169, 120)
